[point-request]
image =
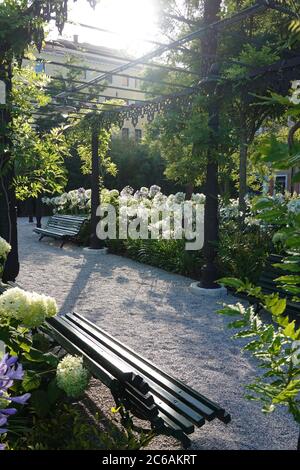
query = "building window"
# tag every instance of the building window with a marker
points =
(125, 133)
(125, 81)
(137, 83)
(138, 134)
(40, 67)
(280, 183)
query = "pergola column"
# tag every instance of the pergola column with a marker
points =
(95, 242)
(8, 204)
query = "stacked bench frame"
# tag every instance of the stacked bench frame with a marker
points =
(268, 284)
(172, 407)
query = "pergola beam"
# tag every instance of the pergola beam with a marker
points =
(137, 77)
(116, 33)
(259, 7)
(91, 69)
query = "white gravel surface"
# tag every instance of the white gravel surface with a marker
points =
(155, 313)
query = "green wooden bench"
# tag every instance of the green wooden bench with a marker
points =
(62, 227)
(172, 407)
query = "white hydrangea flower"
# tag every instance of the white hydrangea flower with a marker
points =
(71, 376)
(295, 97)
(154, 189)
(179, 197)
(4, 248)
(114, 193)
(198, 198)
(144, 191)
(159, 199)
(127, 191)
(29, 308)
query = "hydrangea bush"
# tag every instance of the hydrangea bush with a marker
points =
(46, 380)
(243, 247)
(26, 308)
(77, 201)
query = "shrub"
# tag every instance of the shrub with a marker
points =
(170, 255)
(69, 428)
(243, 250)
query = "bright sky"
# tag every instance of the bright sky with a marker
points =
(133, 19)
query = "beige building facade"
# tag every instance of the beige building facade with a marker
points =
(94, 61)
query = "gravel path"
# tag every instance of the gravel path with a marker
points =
(154, 312)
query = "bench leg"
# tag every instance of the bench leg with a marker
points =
(41, 238)
(257, 308)
(62, 243)
(160, 428)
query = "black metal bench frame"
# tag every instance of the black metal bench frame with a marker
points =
(137, 385)
(62, 227)
(268, 286)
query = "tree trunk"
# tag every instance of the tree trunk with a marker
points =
(243, 171)
(209, 45)
(8, 209)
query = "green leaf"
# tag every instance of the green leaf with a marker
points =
(53, 392)
(290, 332)
(231, 282)
(293, 242)
(288, 266)
(39, 402)
(40, 342)
(288, 279)
(237, 324)
(25, 346)
(244, 334)
(253, 345)
(31, 381)
(276, 306)
(289, 392)
(230, 311)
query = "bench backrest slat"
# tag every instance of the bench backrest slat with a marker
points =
(68, 224)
